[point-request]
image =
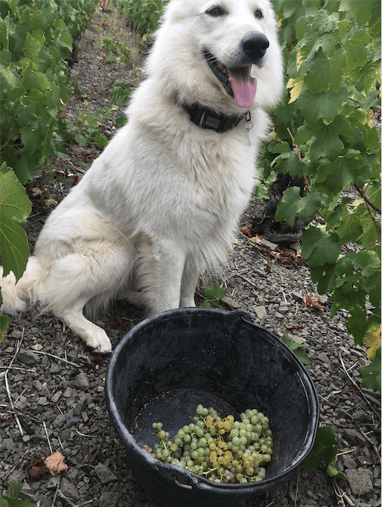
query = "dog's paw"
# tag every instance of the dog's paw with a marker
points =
(100, 342)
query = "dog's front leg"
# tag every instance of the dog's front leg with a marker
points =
(162, 274)
(189, 282)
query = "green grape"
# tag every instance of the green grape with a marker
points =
(219, 448)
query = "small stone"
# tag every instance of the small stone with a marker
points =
(56, 396)
(82, 381)
(37, 385)
(28, 357)
(69, 490)
(16, 334)
(110, 498)
(348, 461)
(261, 312)
(230, 302)
(59, 421)
(323, 357)
(354, 437)
(322, 299)
(55, 368)
(68, 392)
(279, 315)
(360, 481)
(105, 475)
(268, 244)
(82, 404)
(53, 482)
(27, 493)
(70, 418)
(45, 390)
(297, 296)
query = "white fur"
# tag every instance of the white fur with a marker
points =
(165, 195)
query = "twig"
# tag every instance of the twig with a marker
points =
(341, 493)
(60, 494)
(83, 434)
(299, 157)
(366, 199)
(295, 496)
(55, 495)
(243, 277)
(11, 402)
(346, 452)
(17, 368)
(372, 443)
(17, 350)
(47, 437)
(354, 383)
(56, 357)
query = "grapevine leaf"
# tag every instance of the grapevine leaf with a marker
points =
(350, 229)
(14, 204)
(294, 346)
(357, 325)
(325, 449)
(324, 73)
(292, 204)
(319, 247)
(327, 144)
(14, 489)
(356, 49)
(31, 47)
(213, 294)
(323, 105)
(371, 374)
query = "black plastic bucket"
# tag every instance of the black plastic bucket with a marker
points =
(168, 364)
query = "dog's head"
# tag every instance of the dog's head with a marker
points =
(223, 54)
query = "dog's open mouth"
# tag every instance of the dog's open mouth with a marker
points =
(237, 82)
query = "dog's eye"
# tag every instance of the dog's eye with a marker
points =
(258, 14)
(215, 12)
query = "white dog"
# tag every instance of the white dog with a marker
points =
(166, 194)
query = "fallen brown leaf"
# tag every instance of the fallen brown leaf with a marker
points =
(55, 463)
(293, 326)
(313, 303)
(36, 466)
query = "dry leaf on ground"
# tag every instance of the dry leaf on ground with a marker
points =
(55, 463)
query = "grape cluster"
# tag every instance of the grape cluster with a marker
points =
(221, 449)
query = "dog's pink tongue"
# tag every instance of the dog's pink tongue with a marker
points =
(244, 91)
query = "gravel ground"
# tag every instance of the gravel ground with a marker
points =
(55, 386)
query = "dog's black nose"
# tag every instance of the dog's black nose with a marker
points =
(255, 46)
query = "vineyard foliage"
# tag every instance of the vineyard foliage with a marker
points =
(144, 14)
(35, 39)
(324, 133)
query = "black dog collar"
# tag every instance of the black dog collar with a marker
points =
(207, 119)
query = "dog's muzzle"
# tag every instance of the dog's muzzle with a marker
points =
(235, 76)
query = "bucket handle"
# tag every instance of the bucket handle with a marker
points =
(184, 486)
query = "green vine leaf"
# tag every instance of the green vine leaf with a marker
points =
(371, 374)
(14, 206)
(292, 204)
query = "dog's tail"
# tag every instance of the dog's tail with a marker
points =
(17, 295)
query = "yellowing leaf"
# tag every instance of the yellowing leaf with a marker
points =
(299, 60)
(373, 342)
(295, 88)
